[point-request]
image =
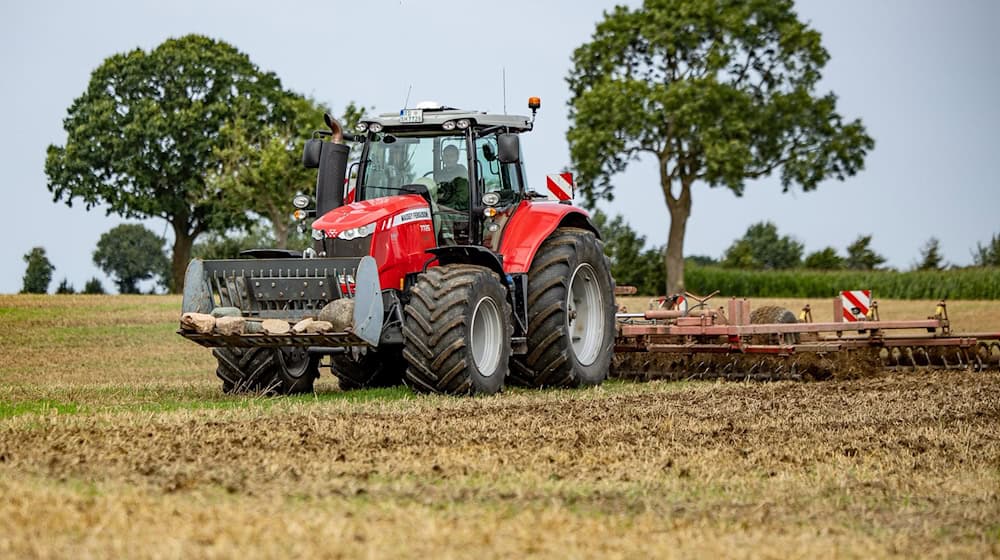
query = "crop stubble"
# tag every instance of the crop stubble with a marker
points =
(889, 465)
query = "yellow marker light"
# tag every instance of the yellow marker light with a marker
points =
(534, 102)
(489, 212)
(299, 214)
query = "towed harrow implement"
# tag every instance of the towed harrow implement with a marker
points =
(771, 344)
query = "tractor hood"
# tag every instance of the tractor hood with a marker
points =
(360, 214)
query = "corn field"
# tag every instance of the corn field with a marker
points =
(980, 283)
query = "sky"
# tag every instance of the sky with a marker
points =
(923, 76)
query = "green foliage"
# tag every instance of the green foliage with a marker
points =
(930, 256)
(860, 255)
(65, 287)
(715, 91)
(130, 253)
(762, 247)
(142, 137)
(228, 245)
(631, 263)
(824, 259)
(262, 169)
(38, 275)
(988, 255)
(93, 287)
(965, 283)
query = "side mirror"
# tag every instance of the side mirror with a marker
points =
(311, 152)
(509, 146)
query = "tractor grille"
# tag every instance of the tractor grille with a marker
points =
(280, 288)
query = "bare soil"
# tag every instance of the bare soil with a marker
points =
(155, 464)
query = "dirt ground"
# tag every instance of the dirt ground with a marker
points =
(119, 445)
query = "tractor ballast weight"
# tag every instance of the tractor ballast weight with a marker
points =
(452, 269)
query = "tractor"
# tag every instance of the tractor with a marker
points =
(453, 274)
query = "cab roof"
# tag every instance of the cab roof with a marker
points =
(435, 117)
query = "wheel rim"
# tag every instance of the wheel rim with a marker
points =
(585, 314)
(294, 361)
(485, 337)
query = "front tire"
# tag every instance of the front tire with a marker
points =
(571, 313)
(275, 371)
(457, 331)
(368, 370)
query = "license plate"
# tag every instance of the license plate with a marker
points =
(411, 116)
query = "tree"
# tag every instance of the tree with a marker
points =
(130, 253)
(38, 275)
(263, 169)
(631, 263)
(989, 254)
(141, 137)
(229, 245)
(860, 256)
(930, 256)
(824, 259)
(93, 286)
(65, 287)
(714, 91)
(762, 247)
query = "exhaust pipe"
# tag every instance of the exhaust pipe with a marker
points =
(331, 159)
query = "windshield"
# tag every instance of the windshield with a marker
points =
(394, 161)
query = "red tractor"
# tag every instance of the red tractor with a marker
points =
(455, 276)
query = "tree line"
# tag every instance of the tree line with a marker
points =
(750, 266)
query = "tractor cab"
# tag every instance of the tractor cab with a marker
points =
(467, 164)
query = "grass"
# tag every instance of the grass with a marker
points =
(115, 441)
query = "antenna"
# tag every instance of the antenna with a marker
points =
(407, 100)
(503, 80)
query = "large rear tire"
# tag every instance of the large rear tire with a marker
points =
(275, 371)
(371, 369)
(457, 331)
(571, 313)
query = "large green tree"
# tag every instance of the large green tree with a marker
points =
(713, 91)
(141, 138)
(38, 275)
(762, 247)
(130, 253)
(261, 167)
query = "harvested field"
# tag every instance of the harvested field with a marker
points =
(115, 441)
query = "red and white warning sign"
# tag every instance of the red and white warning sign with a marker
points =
(856, 304)
(560, 185)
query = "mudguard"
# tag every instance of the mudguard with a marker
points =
(368, 311)
(531, 225)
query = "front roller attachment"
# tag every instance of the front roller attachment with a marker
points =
(288, 290)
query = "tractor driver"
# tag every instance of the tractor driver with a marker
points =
(453, 178)
(450, 168)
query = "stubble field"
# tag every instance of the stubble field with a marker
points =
(115, 441)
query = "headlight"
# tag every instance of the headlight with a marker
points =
(448, 125)
(375, 127)
(361, 127)
(491, 199)
(300, 201)
(318, 234)
(462, 124)
(354, 233)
